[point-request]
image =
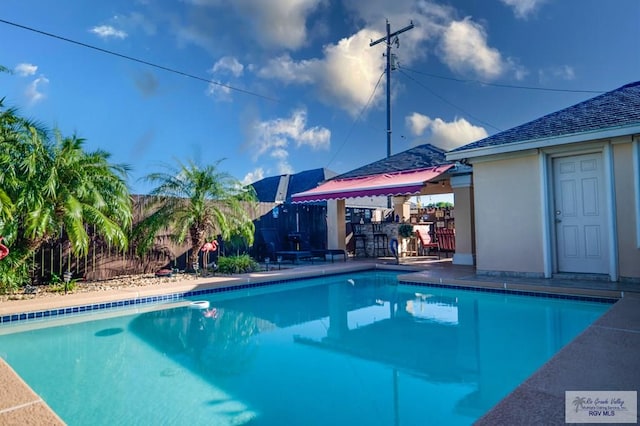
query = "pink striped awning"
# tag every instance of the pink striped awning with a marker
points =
(408, 182)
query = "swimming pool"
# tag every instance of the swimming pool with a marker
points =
(343, 349)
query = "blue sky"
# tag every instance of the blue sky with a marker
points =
(282, 86)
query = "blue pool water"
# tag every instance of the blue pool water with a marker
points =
(344, 349)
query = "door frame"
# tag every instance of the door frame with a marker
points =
(546, 158)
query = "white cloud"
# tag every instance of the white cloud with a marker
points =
(562, 72)
(464, 48)
(347, 72)
(278, 23)
(519, 72)
(284, 168)
(225, 65)
(417, 123)
(523, 8)
(273, 138)
(132, 22)
(285, 69)
(253, 176)
(25, 70)
(107, 31)
(446, 135)
(273, 23)
(219, 90)
(228, 64)
(565, 72)
(34, 90)
(345, 77)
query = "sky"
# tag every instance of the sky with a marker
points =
(283, 86)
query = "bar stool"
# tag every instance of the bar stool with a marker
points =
(380, 240)
(359, 235)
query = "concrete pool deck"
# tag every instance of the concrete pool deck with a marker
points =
(604, 357)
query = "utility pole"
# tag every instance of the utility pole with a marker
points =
(388, 41)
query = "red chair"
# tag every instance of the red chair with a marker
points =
(446, 240)
(425, 245)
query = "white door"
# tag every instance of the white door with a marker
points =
(580, 214)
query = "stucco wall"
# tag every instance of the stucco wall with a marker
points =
(507, 215)
(464, 219)
(628, 253)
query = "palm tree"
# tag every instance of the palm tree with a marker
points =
(196, 202)
(64, 188)
(13, 131)
(49, 188)
(19, 139)
(79, 189)
(8, 123)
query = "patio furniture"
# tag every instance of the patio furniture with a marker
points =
(410, 246)
(323, 253)
(295, 255)
(380, 240)
(425, 244)
(359, 236)
(446, 240)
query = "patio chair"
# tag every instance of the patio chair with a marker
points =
(359, 236)
(446, 240)
(425, 244)
(380, 240)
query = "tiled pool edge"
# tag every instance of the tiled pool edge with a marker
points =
(517, 292)
(535, 290)
(232, 284)
(262, 281)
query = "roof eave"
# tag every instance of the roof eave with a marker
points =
(543, 142)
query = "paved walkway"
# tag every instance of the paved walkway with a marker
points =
(603, 357)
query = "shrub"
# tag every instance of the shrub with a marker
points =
(62, 287)
(405, 230)
(237, 264)
(14, 274)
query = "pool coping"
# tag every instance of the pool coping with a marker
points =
(19, 404)
(523, 289)
(533, 402)
(175, 290)
(23, 311)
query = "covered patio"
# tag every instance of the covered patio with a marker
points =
(419, 171)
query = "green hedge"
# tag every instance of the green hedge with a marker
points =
(237, 264)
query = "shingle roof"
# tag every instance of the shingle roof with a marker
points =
(267, 189)
(614, 109)
(420, 157)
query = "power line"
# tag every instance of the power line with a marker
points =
(140, 61)
(344, 141)
(506, 86)
(448, 102)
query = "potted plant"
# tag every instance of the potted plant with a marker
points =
(405, 230)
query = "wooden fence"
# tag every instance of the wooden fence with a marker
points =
(103, 261)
